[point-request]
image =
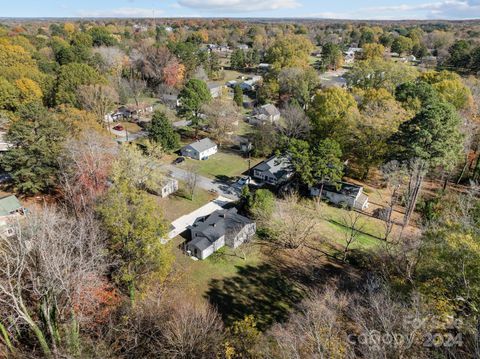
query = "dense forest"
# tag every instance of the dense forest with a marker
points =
(85, 274)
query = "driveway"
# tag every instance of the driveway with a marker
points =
(130, 137)
(222, 188)
(180, 224)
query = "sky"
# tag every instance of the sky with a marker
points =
(340, 9)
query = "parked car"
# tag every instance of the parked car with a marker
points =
(118, 128)
(243, 181)
(178, 160)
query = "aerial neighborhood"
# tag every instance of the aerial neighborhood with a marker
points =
(182, 182)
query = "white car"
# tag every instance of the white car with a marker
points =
(243, 181)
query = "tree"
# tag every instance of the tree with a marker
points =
(290, 228)
(98, 99)
(162, 132)
(85, 167)
(432, 138)
(331, 113)
(191, 181)
(460, 55)
(318, 163)
(101, 36)
(372, 51)
(298, 84)
(295, 123)
(70, 78)
(290, 51)
(332, 56)
(222, 117)
(45, 269)
(377, 73)
(261, 204)
(354, 227)
(135, 87)
(37, 140)
(237, 59)
(402, 44)
(135, 228)
(264, 140)
(238, 95)
(192, 98)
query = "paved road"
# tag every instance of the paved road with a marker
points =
(222, 188)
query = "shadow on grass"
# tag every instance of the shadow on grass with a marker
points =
(259, 290)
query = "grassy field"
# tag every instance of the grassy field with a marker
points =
(221, 165)
(177, 205)
(131, 127)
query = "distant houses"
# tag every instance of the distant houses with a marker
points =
(222, 227)
(200, 150)
(129, 111)
(344, 194)
(266, 113)
(351, 53)
(274, 171)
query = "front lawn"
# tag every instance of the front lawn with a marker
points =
(178, 204)
(221, 165)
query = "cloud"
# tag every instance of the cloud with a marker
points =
(121, 12)
(230, 6)
(445, 9)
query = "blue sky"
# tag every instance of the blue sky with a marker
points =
(341, 9)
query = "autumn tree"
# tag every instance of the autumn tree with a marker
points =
(298, 84)
(290, 51)
(70, 78)
(98, 99)
(222, 118)
(135, 227)
(332, 111)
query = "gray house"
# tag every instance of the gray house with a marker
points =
(222, 227)
(345, 194)
(274, 171)
(200, 150)
(265, 113)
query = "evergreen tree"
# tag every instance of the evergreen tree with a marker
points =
(238, 95)
(161, 131)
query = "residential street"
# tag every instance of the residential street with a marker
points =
(222, 188)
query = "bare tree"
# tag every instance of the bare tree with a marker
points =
(315, 331)
(191, 180)
(171, 326)
(295, 124)
(354, 227)
(99, 99)
(223, 117)
(135, 87)
(394, 175)
(291, 226)
(416, 169)
(44, 268)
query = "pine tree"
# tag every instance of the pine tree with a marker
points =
(161, 131)
(238, 95)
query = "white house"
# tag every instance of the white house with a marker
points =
(265, 113)
(275, 170)
(200, 150)
(215, 89)
(222, 227)
(345, 195)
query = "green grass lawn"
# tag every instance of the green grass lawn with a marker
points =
(177, 205)
(131, 127)
(222, 164)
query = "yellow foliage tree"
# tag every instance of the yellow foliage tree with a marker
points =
(29, 90)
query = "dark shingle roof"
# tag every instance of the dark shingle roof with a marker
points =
(277, 167)
(216, 226)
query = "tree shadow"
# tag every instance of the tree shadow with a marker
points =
(259, 290)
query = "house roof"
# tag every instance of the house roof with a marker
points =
(202, 145)
(346, 189)
(278, 167)
(9, 204)
(269, 110)
(216, 225)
